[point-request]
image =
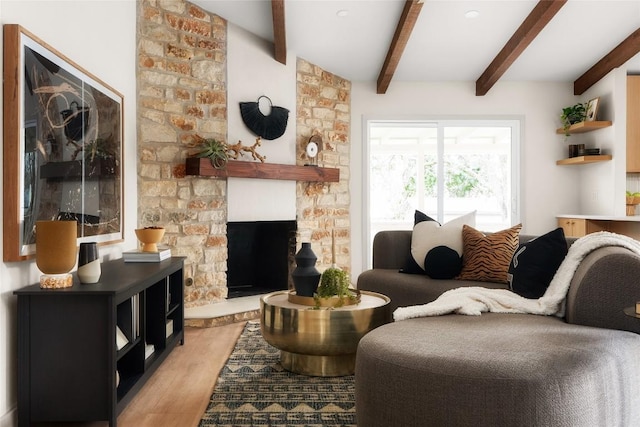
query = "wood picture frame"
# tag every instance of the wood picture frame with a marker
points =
(63, 139)
(592, 110)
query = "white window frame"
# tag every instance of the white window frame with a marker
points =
(515, 122)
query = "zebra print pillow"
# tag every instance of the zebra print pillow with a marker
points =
(486, 258)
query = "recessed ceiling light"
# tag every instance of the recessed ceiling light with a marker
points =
(342, 13)
(471, 14)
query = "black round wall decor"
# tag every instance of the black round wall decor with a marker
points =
(267, 127)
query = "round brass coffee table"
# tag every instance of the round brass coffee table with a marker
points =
(320, 342)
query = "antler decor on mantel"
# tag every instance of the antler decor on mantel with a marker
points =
(237, 150)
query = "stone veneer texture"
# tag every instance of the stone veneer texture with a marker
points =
(324, 108)
(182, 92)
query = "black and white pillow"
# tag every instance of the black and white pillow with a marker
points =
(410, 266)
(437, 249)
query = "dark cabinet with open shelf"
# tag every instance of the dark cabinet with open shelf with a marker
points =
(71, 364)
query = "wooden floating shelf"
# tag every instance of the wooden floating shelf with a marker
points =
(582, 160)
(202, 167)
(583, 127)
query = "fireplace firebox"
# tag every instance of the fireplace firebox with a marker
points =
(260, 256)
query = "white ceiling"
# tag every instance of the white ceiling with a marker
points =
(444, 45)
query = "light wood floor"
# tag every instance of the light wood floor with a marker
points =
(178, 392)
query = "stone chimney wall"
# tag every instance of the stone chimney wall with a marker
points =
(182, 91)
(324, 108)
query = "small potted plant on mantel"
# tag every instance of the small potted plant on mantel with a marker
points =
(215, 150)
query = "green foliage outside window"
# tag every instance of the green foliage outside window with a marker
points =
(466, 176)
(463, 183)
(462, 180)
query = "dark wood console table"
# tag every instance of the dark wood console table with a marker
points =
(70, 367)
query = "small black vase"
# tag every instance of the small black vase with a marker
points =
(305, 276)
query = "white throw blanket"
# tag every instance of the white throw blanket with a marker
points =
(476, 300)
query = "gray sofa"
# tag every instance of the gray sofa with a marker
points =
(502, 369)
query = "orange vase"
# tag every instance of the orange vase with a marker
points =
(56, 245)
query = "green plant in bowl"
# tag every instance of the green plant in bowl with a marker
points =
(334, 282)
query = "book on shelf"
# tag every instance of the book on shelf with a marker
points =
(136, 255)
(135, 316)
(121, 338)
(167, 294)
(128, 318)
(149, 349)
(169, 328)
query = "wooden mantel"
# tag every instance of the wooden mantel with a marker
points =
(202, 167)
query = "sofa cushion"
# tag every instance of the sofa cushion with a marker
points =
(428, 235)
(412, 289)
(496, 370)
(535, 262)
(486, 258)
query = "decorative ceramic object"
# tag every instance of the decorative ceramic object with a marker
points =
(89, 263)
(56, 252)
(305, 276)
(150, 237)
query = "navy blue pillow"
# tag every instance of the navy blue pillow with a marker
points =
(535, 263)
(410, 265)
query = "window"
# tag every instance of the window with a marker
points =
(443, 168)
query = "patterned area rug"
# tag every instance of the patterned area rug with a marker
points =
(253, 389)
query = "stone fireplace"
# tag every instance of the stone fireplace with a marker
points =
(193, 69)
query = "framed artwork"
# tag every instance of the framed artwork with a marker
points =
(592, 109)
(63, 141)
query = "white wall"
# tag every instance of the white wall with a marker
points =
(252, 72)
(546, 189)
(100, 36)
(603, 185)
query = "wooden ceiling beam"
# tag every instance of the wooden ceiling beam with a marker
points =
(539, 17)
(279, 31)
(618, 56)
(405, 26)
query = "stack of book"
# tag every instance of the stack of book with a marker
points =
(128, 321)
(138, 256)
